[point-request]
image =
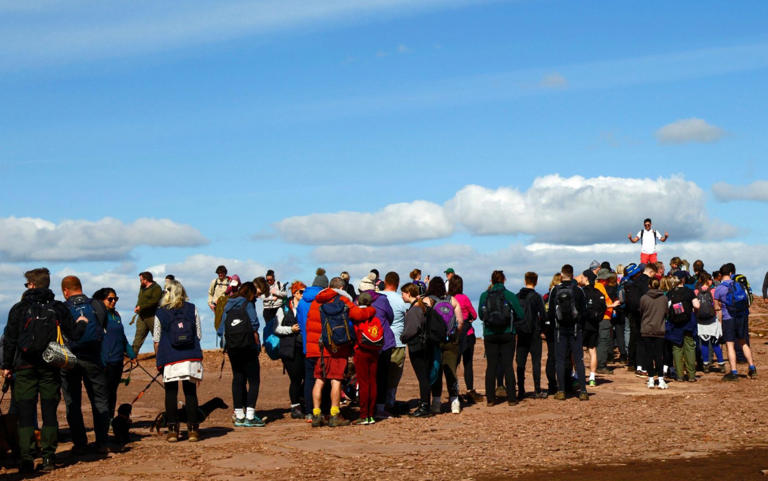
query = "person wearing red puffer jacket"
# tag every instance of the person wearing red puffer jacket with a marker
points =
(370, 339)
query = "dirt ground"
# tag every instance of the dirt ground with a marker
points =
(703, 430)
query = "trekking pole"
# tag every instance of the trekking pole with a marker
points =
(133, 319)
(141, 393)
(221, 368)
(127, 380)
(148, 373)
(6, 385)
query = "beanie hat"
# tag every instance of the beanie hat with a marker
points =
(594, 265)
(321, 280)
(364, 299)
(366, 283)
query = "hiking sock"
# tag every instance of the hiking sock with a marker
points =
(250, 413)
(335, 410)
(735, 372)
(591, 376)
(666, 368)
(239, 413)
(316, 411)
(752, 367)
(295, 405)
(639, 367)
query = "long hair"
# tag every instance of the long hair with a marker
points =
(174, 296)
(247, 290)
(413, 290)
(436, 287)
(455, 285)
(556, 280)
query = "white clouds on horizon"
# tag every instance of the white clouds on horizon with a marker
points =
(35, 239)
(574, 210)
(689, 130)
(756, 191)
(553, 80)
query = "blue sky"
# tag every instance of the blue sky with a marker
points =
(227, 118)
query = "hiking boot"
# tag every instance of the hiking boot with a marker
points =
(102, 449)
(691, 378)
(652, 383)
(436, 406)
(337, 421)
(501, 391)
(360, 422)
(520, 395)
(296, 412)
(193, 433)
(79, 450)
(752, 373)
(173, 433)
(240, 422)
(48, 464)
(540, 395)
(720, 367)
(560, 396)
(475, 396)
(256, 422)
(422, 411)
(455, 405)
(604, 370)
(583, 396)
(663, 384)
(317, 420)
(731, 377)
(490, 403)
(706, 367)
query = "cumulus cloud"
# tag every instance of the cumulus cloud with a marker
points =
(196, 271)
(28, 238)
(689, 130)
(395, 223)
(553, 81)
(757, 190)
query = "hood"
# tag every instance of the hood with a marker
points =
(310, 293)
(234, 303)
(326, 295)
(37, 295)
(78, 299)
(362, 313)
(374, 295)
(524, 292)
(654, 293)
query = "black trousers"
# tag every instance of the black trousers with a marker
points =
(528, 344)
(113, 373)
(172, 398)
(499, 347)
(90, 375)
(421, 361)
(635, 355)
(551, 362)
(654, 355)
(245, 372)
(466, 356)
(569, 344)
(382, 376)
(295, 369)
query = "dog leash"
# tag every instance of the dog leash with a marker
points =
(141, 393)
(148, 373)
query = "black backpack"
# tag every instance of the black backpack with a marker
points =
(706, 312)
(238, 332)
(595, 308)
(38, 329)
(435, 328)
(498, 312)
(566, 313)
(528, 323)
(679, 311)
(632, 296)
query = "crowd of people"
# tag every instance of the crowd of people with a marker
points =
(340, 343)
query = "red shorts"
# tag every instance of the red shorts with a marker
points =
(648, 258)
(330, 368)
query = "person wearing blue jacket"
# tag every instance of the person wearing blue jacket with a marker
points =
(243, 347)
(114, 346)
(310, 356)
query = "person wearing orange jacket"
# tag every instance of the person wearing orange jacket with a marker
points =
(599, 355)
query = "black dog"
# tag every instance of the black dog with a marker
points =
(121, 424)
(203, 411)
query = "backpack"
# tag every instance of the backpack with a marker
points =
(706, 312)
(38, 329)
(334, 321)
(238, 332)
(632, 295)
(742, 279)
(655, 239)
(527, 324)
(736, 300)
(498, 312)
(445, 309)
(679, 311)
(271, 340)
(566, 313)
(595, 307)
(94, 331)
(181, 331)
(371, 334)
(435, 329)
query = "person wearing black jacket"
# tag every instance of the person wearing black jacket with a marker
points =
(529, 335)
(632, 293)
(89, 370)
(33, 376)
(765, 289)
(291, 351)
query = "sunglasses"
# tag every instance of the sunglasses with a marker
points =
(113, 299)
(27, 284)
(300, 291)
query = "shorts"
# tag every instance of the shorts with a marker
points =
(331, 368)
(590, 339)
(648, 258)
(735, 328)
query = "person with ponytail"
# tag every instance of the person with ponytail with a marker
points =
(420, 349)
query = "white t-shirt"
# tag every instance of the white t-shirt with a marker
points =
(649, 243)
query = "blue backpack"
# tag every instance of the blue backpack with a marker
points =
(94, 331)
(271, 340)
(336, 329)
(737, 299)
(181, 331)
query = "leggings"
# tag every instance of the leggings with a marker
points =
(295, 369)
(499, 346)
(421, 361)
(528, 344)
(245, 370)
(653, 347)
(113, 372)
(382, 376)
(467, 354)
(715, 348)
(365, 367)
(190, 399)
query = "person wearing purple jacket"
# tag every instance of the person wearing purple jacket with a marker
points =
(386, 316)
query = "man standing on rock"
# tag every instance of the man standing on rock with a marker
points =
(146, 306)
(649, 238)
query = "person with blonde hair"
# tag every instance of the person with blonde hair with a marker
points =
(176, 337)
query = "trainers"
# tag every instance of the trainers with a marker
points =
(256, 422)
(583, 396)
(731, 377)
(436, 406)
(752, 373)
(652, 384)
(308, 418)
(455, 405)
(296, 413)
(337, 421)
(560, 395)
(422, 411)
(317, 420)
(240, 422)
(540, 395)
(641, 373)
(663, 384)
(371, 420)
(592, 383)
(360, 422)
(720, 367)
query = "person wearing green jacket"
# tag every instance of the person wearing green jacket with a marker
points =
(146, 306)
(496, 309)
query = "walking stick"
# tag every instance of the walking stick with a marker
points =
(148, 373)
(154, 379)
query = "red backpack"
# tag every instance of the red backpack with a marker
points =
(370, 334)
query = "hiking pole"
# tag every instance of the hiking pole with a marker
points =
(127, 380)
(221, 368)
(148, 373)
(141, 393)
(133, 319)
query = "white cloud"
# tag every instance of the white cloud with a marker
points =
(196, 271)
(689, 130)
(757, 190)
(553, 81)
(27, 238)
(395, 223)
